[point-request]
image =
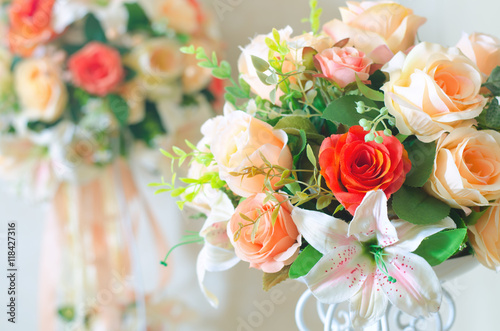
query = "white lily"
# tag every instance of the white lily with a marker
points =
(369, 261)
(217, 253)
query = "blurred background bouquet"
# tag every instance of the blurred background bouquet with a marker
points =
(86, 88)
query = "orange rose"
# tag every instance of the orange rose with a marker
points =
(273, 246)
(352, 167)
(30, 25)
(97, 68)
(484, 237)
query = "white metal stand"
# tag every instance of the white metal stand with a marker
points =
(336, 317)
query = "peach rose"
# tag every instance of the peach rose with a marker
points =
(467, 168)
(373, 26)
(274, 246)
(158, 63)
(239, 142)
(482, 49)
(97, 68)
(30, 25)
(341, 65)
(40, 89)
(432, 90)
(484, 237)
(247, 71)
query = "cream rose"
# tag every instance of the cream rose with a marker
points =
(482, 49)
(467, 168)
(238, 145)
(247, 70)
(373, 25)
(40, 89)
(158, 63)
(181, 15)
(484, 237)
(432, 90)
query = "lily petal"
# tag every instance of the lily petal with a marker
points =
(213, 258)
(320, 230)
(370, 220)
(411, 235)
(417, 290)
(339, 274)
(369, 304)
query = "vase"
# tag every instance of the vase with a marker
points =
(336, 317)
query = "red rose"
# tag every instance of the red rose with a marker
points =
(352, 167)
(97, 68)
(30, 25)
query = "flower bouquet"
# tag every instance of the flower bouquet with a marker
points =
(84, 86)
(351, 159)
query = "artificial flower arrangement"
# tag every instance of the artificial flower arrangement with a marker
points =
(78, 76)
(87, 87)
(351, 159)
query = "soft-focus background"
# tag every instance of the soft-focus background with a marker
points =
(476, 293)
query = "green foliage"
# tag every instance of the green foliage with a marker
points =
(490, 116)
(304, 262)
(137, 18)
(422, 157)
(415, 206)
(368, 92)
(93, 30)
(292, 125)
(441, 246)
(343, 110)
(474, 216)
(150, 127)
(314, 17)
(493, 82)
(67, 313)
(119, 107)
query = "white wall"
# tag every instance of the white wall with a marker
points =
(476, 293)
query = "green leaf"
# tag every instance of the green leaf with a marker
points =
(422, 157)
(323, 202)
(188, 49)
(67, 313)
(259, 64)
(492, 116)
(493, 82)
(223, 71)
(415, 206)
(93, 29)
(293, 124)
(310, 155)
(343, 110)
(368, 92)
(236, 91)
(137, 18)
(271, 280)
(304, 262)
(441, 246)
(119, 108)
(474, 216)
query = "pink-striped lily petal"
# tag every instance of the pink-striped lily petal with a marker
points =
(411, 235)
(321, 231)
(370, 220)
(339, 274)
(369, 304)
(417, 290)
